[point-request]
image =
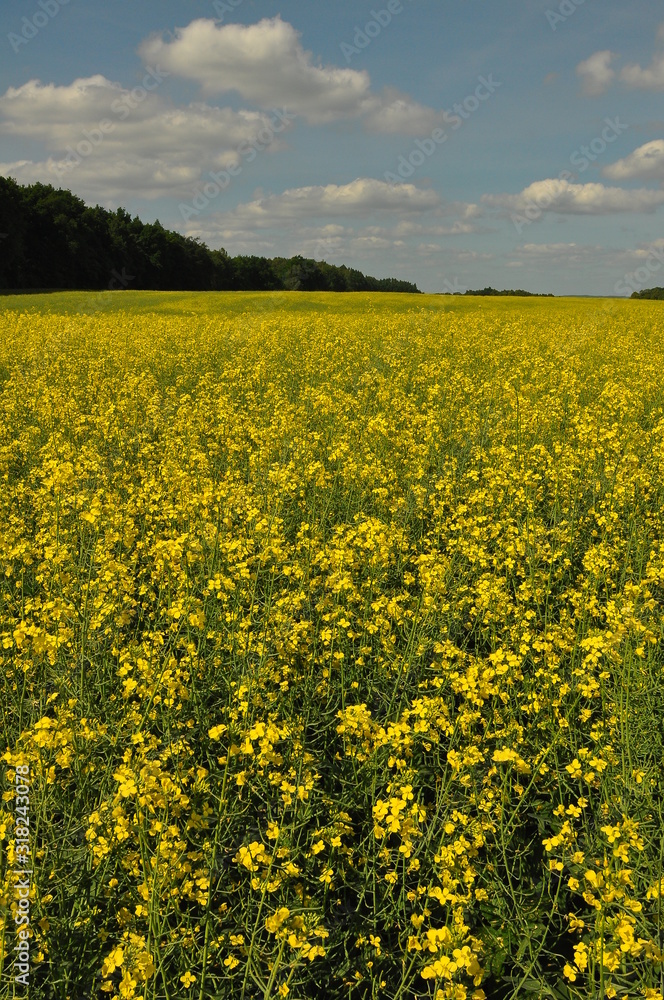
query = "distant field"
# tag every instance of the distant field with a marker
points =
(230, 303)
(332, 645)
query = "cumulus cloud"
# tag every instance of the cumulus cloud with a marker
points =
(394, 114)
(446, 225)
(562, 253)
(565, 198)
(361, 197)
(549, 249)
(338, 222)
(38, 110)
(650, 78)
(457, 228)
(585, 252)
(265, 63)
(449, 227)
(106, 180)
(653, 250)
(262, 62)
(580, 257)
(320, 242)
(596, 73)
(105, 140)
(645, 163)
(458, 256)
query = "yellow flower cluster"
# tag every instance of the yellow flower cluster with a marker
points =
(330, 631)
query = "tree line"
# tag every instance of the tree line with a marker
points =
(50, 239)
(649, 293)
(511, 291)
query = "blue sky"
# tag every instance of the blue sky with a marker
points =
(331, 130)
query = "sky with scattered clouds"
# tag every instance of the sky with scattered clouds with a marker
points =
(457, 145)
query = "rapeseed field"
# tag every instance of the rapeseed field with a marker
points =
(332, 649)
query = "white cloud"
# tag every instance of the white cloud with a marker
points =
(452, 218)
(585, 257)
(549, 248)
(458, 227)
(337, 222)
(459, 256)
(559, 253)
(596, 73)
(395, 114)
(118, 141)
(651, 78)
(38, 110)
(376, 243)
(328, 242)
(106, 180)
(564, 198)
(645, 163)
(266, 64)
(645, 250)
(361, 197)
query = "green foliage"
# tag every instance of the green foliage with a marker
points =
(511, 291)
(53, 240)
